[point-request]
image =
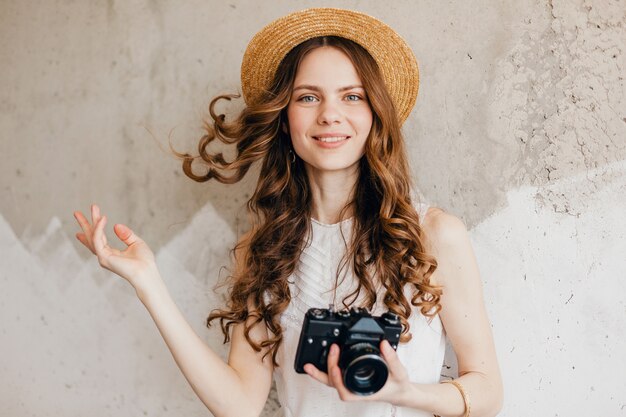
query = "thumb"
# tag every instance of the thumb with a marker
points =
(391, 357)
(126, 235)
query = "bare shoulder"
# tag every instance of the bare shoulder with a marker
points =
(447, 239)
(443, 229)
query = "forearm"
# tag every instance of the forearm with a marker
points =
(216, 384)
(484, 392)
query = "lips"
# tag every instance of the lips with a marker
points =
(331, 139)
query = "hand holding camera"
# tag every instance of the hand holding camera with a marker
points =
(364, 370)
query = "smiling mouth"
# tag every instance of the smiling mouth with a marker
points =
(331, 139)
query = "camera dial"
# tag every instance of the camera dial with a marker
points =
(318, 313)
(391, 318)
(345, 313)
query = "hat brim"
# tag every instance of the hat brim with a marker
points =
(394, 57)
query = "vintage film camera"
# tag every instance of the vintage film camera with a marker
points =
(358, 336)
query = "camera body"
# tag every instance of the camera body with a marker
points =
(358, 335)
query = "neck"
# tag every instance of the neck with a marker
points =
(331, 191)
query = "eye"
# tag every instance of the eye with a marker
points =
(353, 97)
(307, 99)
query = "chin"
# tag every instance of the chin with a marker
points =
(332, 166)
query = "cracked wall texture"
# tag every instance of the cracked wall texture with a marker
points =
(519, 128)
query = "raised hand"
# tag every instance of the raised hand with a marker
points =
(135, 264)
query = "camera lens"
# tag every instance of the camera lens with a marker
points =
(364, 370)
(364, 374)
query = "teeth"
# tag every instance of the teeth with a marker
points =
(332, 139)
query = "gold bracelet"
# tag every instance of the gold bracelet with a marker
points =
(466, 399)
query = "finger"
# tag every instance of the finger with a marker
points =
(315, 373)
(391, 357)
(335, 376)
(333, 355)
(333, 364)
(83, 239)
(82, 222)
(125, 234)
(99, 238)
(95, 213)
(86, 236)
(336, 379)
(332, 361)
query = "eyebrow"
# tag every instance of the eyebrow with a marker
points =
(316, 88)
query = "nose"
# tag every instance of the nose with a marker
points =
(329, 113)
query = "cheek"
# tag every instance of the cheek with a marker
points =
(364, 121)
(295, 129)
(296, 121)
(362, 114)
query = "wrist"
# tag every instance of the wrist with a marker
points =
(439, 399)
(149, 286)
(413, 396)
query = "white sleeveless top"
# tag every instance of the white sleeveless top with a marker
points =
(311, 285)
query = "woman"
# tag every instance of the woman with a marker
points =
(334, 221)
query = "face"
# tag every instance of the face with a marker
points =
(329, 115)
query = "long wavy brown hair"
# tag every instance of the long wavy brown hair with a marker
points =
(387, 243)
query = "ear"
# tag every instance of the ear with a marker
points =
(285, 128)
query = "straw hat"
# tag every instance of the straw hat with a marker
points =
(394, 57)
